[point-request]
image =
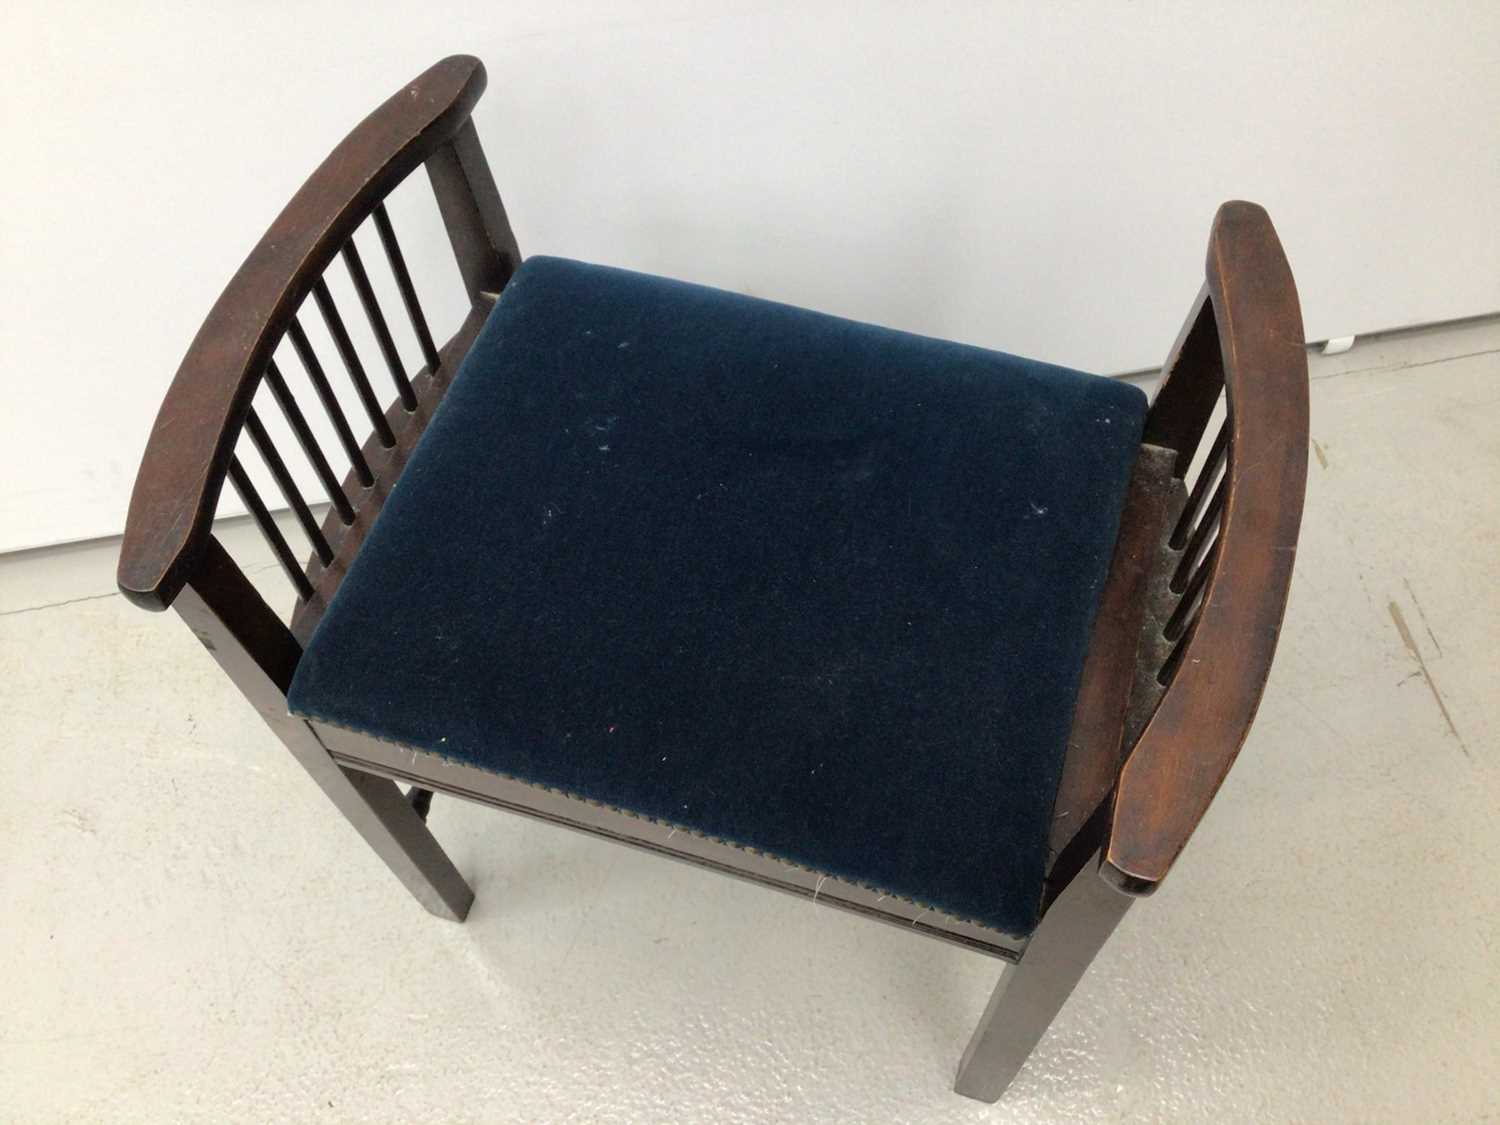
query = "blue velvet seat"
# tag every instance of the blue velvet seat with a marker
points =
(802, 584)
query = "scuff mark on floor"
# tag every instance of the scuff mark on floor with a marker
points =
(1321, 455)
(1389, 367)
(57, 605)
(80, 820)
(1411, 646)
(1430, 634)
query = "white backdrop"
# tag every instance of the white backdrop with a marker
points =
(1037, 178)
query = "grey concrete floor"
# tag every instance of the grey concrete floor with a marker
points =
(190, 933)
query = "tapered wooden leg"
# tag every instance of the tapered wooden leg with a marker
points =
(380, 813)
(260, 654)
(1032, 992)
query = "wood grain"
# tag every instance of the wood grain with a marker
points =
(1192, 739)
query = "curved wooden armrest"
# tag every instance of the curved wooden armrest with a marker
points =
(187, 455)
(1186, 749)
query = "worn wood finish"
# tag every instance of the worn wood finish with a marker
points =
(1161, 603)
(187, 455)
(1219, 666)
(1094, 743)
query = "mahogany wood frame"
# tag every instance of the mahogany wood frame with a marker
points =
(1181, 646)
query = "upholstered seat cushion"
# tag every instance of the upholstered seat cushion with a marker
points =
(802, 584)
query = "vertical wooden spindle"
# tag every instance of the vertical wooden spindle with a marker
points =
(378, 325)
(268, 529)
(283, 477)
(335, 324)
(1206, 524)
(397, 262)
(319, 379)
(314, 453)
(1176, 624)
(1206, 476)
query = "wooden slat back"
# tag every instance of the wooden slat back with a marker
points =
(199, 427)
